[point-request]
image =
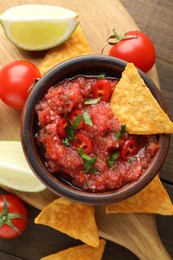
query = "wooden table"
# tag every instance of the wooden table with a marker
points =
(155, 18)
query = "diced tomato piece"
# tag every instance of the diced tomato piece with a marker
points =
(102, 89)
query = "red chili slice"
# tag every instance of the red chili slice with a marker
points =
(129, 149)
(102, 89)
(61, 127)
(72, 116)
(82, 141)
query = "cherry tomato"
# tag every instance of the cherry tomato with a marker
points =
(102, 89)
(13, 216)
(129, 149)
(62, 123)
(138, 50)
(72, 116)
(15, 80)
(82, 141)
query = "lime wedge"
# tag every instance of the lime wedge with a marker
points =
(14, 170)
(38, 27)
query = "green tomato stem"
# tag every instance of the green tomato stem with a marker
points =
(117, 37)
(5, 217)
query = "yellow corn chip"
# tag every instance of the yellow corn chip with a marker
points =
(74, 219)
(76, 45)
(81, 252)
(152, 199)
(134, 105)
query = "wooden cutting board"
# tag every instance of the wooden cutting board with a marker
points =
(97, 19)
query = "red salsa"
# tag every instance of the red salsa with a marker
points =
(84, 142)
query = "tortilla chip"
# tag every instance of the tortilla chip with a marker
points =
(134, 105)
(81, 252)
(152, 199)
(76, 45)
(72, 218)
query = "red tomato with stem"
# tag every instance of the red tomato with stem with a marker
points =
(135, 47)
(82, 141)
(16, 79)
(13, 216)
(128, 150)
(102, 89)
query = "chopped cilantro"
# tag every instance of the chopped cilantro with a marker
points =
(121, 132)
(76, 122)
(146, 145)
(70, 129)
(112, 159)
(92, 101)
(88, 161)
(95, 170)
(101, 76)
(87, 118)
(132, 159)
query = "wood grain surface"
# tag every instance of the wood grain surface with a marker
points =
(98, 21)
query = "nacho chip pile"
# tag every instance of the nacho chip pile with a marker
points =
(134, 105)
(78, 220)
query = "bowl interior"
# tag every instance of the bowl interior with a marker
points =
(84, 65)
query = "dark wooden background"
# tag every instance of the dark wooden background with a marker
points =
(155, 17)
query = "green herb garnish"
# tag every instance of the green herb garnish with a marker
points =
(112, 159)
(101, 76)
(76, 122)
(121, 132)
(87, 118)
(132, 159)
(71, 129)
(95, 170)
(92, 101)
(88, 161)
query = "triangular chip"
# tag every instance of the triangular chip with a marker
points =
(152, 199)
(81, 252)
(72, 218)
(134, 105)
(76, 45)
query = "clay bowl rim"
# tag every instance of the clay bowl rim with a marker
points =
(93, 64)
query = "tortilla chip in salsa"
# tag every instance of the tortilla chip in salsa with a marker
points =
(81, 252)
(72, 218)
(133, 104)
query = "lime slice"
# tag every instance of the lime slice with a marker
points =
(14, 170)
(38, 27)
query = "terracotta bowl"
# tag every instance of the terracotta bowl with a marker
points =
(85, 65)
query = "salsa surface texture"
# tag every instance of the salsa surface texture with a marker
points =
(83, 140)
